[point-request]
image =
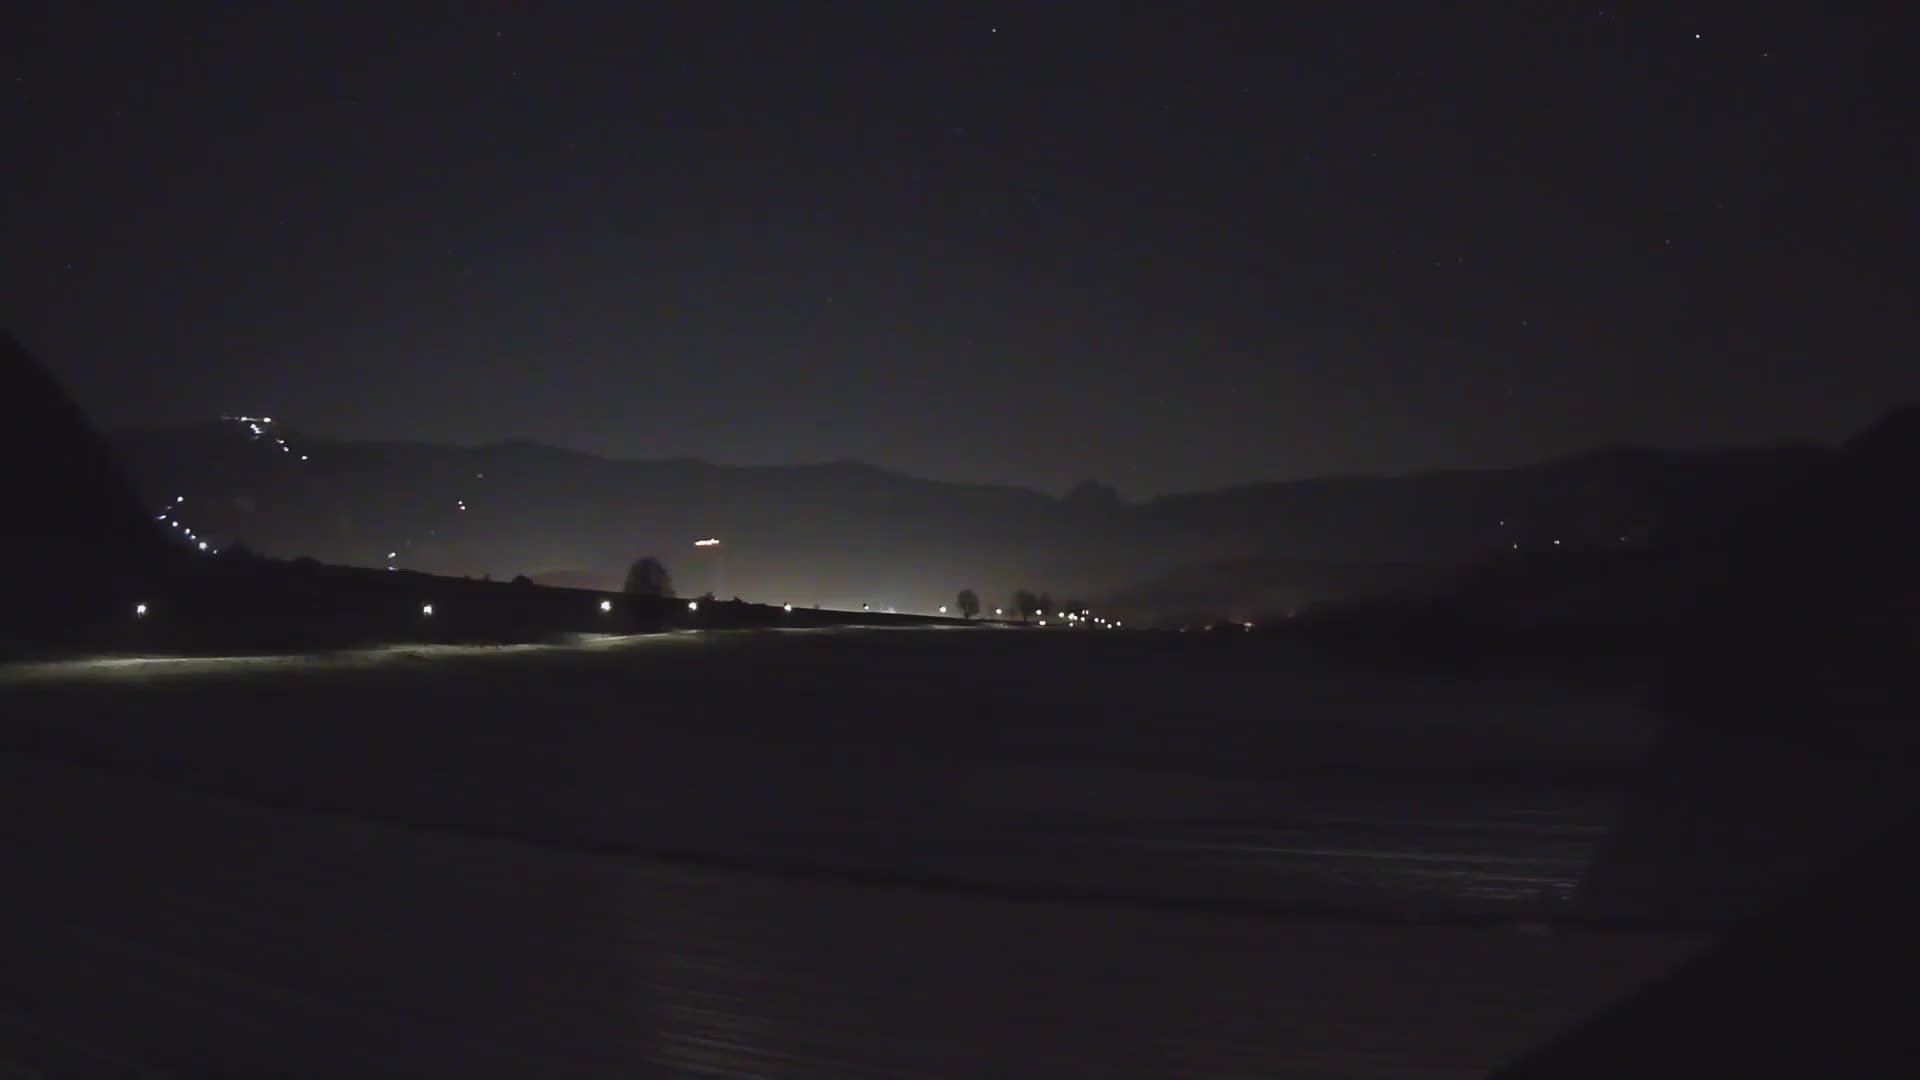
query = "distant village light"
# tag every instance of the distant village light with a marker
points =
(606, 605)
(139, 611)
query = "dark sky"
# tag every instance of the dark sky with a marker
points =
(1166, 246)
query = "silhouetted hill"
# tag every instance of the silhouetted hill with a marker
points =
(844, 533)
(75, 531)
(66, 494)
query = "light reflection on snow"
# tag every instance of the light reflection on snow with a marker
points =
(90, 668)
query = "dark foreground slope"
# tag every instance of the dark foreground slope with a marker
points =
(1822, 986)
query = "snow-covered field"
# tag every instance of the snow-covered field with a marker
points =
(832, 853)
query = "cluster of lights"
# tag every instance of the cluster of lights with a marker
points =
(257, 428)
(171, 516)
(1082, 618)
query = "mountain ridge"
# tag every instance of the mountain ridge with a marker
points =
(1607, 452)
(847, 532)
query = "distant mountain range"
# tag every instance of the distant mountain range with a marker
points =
(845, 533)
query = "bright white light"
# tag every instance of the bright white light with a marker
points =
(693, 605)
(943, 609)
(1516, 547)
(1556, 543)
(393, 554)
(426, 609)
(1043, 622)
(1118, 625)
(139, 611)
(997, 611)
(786, 607)
(711, 541)
(606, 605)
(303, 457)
(203, 545)
(179, 498)
(1059, 614)
(177, 525)
(266, 419)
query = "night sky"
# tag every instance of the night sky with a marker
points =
(1165, 246)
